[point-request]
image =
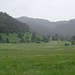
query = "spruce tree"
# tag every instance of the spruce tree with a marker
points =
(0, 37)
(22, 40)
(27, 38)
(38, 40)
(7, 40)
(33, 38)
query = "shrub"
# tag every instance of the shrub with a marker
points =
(67, 44)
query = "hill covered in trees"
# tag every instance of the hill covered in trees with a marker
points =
(9, 25)
(65, 27)
(42, 26)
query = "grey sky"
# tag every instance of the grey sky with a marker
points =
(53, 10)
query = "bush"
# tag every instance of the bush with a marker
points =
(72, 43)
(67, 44)
(28, 41)
(22, 40)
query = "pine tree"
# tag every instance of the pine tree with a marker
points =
(27, 38)
(20, 35)
(38, 40)
(45, 39)
(33, 38)
(0, 37)
(7, 40)
(55, 37)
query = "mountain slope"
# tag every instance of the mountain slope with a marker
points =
(9, 24)
(66, 28)
(40, 26)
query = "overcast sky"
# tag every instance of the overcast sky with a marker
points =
(53, 10)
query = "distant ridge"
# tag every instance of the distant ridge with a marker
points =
(42, 26)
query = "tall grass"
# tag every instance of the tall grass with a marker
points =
(37, 59)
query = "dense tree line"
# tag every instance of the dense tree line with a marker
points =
(34, 38)
(9, 25)
(31, 37)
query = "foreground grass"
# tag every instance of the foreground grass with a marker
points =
(37, 59)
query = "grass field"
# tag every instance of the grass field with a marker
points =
(37, 59)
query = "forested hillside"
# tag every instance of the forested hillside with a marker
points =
(64, 28)
(40, 26)
(9, 25)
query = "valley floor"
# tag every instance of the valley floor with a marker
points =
(51, 58)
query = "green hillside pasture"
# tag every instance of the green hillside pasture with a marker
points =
(12, 37)
(37, 59)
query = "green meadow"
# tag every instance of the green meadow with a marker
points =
(51, 58)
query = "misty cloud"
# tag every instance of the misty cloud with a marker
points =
(48, 9)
